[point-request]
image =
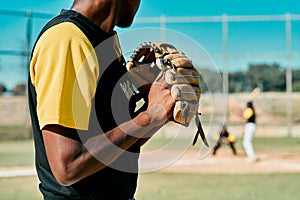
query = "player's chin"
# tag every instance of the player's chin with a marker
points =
(124, 23)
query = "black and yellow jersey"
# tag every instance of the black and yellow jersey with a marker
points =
(76, 68)
(249, 115)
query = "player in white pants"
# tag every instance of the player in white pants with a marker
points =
(250, 127)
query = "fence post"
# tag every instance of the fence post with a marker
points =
(28, 52)
(225, 62)
(288, 34)
(28, 37)
(162, 23)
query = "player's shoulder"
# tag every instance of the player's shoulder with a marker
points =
(248, 110)
(64, 32)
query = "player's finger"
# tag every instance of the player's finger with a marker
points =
(185, 92)
(179, 60)
(183, 76)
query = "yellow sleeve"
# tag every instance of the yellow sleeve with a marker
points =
(64, 70)
(231, 138)
(248, 113)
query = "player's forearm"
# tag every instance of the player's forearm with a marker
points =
(98, 151)
(112, 144)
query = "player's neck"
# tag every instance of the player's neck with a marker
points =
(101, 14)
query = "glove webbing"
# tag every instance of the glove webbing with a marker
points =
(147, 45)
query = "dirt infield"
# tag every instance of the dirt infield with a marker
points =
(226, 163)
(222, 163)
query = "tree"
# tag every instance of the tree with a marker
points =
(237, 82)
(3, 88)
(296, 80)
(19, 89)
(268, 77)
(211, 81)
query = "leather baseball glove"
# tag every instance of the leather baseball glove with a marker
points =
(154, 60)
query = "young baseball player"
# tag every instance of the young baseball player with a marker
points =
(225, 138)
(76, 64)
(87, 140)
(249, 131)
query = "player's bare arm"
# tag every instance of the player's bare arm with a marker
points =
(70, 161)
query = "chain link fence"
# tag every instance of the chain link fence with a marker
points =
(233, 42)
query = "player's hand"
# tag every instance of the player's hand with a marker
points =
(161, 103)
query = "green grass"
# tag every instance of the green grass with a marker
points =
(275, 145)
(19, 188)
(162, 186)
(16, 153)
(18, 132)
(165, 186)
(284, 144)
(21, 152)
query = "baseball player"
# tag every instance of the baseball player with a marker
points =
(226, 138)
(250, 127)
(88, 120)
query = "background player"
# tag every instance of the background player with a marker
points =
(226, 138)
(250, 128)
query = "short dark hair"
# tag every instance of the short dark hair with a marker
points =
(249, 104)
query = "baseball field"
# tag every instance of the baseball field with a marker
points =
(194, 173)
(223, 176)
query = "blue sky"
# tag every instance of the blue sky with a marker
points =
(244, 38)
(175, 7)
